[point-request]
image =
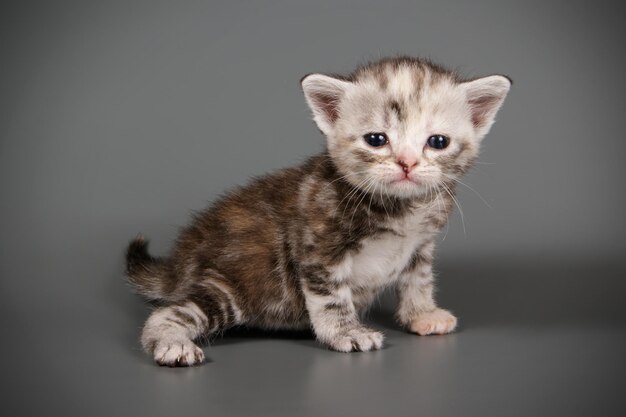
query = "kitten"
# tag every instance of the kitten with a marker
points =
(312, 246)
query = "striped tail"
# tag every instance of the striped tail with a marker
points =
(147, 274)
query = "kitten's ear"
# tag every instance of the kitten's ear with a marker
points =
(323, 94)
(485, 96)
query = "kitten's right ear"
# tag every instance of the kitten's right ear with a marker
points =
(323, 94)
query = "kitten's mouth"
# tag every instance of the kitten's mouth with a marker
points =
(406, 180)
(409, 185)
(403, 181)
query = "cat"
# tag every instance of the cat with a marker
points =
(311, 247)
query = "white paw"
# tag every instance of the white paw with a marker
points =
(356, 339)
(438, 321)
(178, 353)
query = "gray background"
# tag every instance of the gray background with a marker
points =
(123, 116)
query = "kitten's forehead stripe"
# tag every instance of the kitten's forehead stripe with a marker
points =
(406, 86)
(390, 68)
(400, 112)
(383, 79)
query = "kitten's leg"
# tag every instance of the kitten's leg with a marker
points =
(333, 315)
(169, 333)
(417, 309)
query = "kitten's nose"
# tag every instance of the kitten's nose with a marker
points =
(407, 164)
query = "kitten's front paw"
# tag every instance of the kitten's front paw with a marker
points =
(178, 353)
(356, 339)
(438, 321)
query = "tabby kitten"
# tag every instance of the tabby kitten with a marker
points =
(312, 246)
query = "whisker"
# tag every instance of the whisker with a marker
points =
(475, 192)
(443, 207)
(369, 208)
(382, 201)
(353, 190)
(366, 187)
(348, 175)
(353, 194)
(457, 205)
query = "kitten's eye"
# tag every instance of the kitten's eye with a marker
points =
(438, 141)
(376, 139)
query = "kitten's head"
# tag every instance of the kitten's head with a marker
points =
(403, 126)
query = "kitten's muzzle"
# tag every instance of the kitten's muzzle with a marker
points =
(407, 164)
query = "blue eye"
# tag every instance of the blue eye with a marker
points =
(438, 141)
(376, 139)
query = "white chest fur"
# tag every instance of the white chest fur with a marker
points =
(381, 258)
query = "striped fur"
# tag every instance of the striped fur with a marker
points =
(312, 246)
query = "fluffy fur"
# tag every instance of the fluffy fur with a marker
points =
(312, 246)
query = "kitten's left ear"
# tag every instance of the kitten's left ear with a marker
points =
(485, 96)
(323, 94)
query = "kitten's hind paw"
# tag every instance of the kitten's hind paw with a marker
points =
(178, 353)
(357, 339)
(438, 321)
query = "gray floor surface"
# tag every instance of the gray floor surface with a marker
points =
(536, 338)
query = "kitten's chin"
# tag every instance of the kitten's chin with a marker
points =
(406, 188)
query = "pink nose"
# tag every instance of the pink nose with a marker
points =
(407, 164)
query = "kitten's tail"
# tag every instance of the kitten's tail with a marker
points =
(146, 273)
